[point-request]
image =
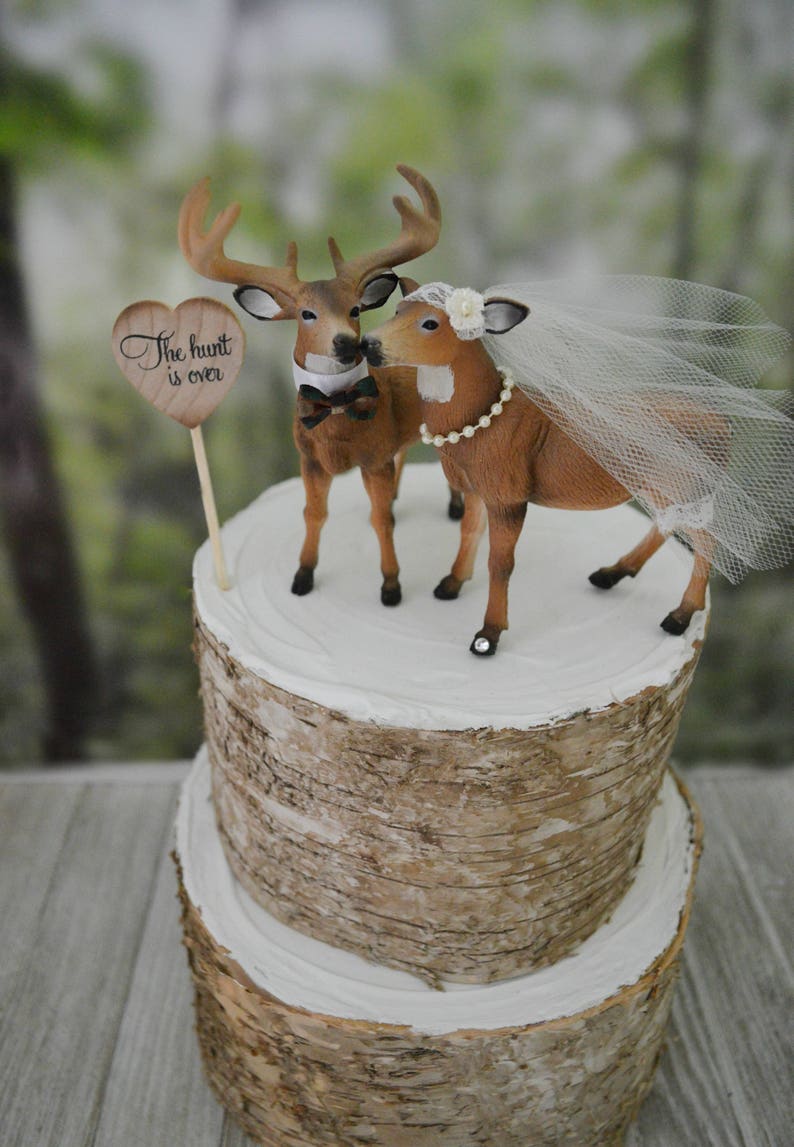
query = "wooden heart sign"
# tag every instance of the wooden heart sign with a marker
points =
(184, 361)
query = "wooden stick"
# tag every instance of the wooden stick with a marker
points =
(210, 512)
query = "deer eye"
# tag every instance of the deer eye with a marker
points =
(430, 325)
(355, 312)
(308, 316)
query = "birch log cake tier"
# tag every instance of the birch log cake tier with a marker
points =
(309, 1045)
(379, 789)
(378, 815)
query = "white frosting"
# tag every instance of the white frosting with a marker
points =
(308, 974)
(435, 383)
(327, 376)
(570, 646)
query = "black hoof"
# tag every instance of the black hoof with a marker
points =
(447, 589)
(483, 646)
(605, 578)
(455, 509)
(675, 625)
(391, 596)
(303, 582)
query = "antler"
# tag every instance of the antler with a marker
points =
(419, 233)
(204, 250)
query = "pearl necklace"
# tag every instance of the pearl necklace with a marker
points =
(482, 423)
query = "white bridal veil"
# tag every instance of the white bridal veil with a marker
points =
(655, 379)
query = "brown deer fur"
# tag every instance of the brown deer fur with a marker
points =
(327, 315)
(523, 456)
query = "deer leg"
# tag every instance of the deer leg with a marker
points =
(471, 530)
(631, 563)
(399, 463)
(456, 506)
(316, 483)
(694, 597)
(380, 486)
(504, 526)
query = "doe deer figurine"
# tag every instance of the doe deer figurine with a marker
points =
(380, 409)
(503, 451)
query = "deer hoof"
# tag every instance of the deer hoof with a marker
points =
(676, 623)
(447, 589)
(391, 595)
(606, 577)
(303, 582)
(483, 646)
(455, 508)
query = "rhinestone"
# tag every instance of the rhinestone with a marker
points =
(485, 421)
(468, 431)
(481, 645)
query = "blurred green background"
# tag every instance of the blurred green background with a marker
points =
(653, 136)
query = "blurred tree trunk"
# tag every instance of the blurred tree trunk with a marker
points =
(39, 544)
(774, 105)
(697, 79)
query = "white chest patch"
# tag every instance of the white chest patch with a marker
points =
(435, 383)
(322, 364)
(325, 373)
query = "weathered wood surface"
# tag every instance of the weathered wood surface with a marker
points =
(728, 1080)
(96, 1039)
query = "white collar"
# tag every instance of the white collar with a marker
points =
(329, 383)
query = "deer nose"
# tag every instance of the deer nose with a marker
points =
(345, 348)
(373, 350)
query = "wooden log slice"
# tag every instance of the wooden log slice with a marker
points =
(380, 788)
(310, 1046)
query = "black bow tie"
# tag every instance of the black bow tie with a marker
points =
(358, 403)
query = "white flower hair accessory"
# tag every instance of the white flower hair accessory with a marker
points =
(464, 306)
(466, 310)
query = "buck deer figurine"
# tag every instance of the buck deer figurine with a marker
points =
(382, 408)
(504, 446)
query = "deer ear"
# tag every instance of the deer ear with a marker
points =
(408, 286)
(502, 315)
(377, 290)
(260, 303)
